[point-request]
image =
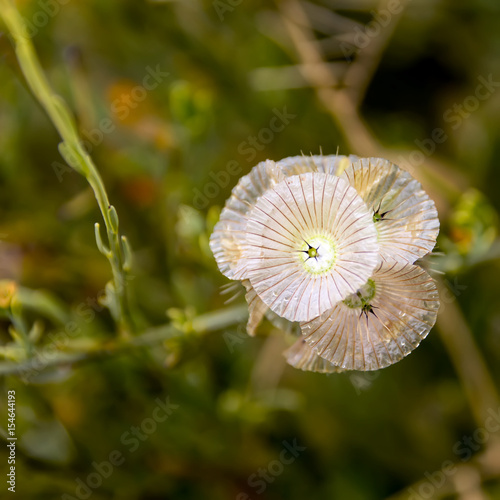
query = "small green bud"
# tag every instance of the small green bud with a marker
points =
(100, 245)
(127, 254)
(113, 218)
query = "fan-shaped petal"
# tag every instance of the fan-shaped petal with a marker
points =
(229, 232)
(310, 241)
(380, 324)
(329, 164)
(256, 308)
(405, 217)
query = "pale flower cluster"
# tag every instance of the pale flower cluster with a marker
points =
(331, 242)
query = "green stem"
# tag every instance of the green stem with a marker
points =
(73, 152)
(206, 323)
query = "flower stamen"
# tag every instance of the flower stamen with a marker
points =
(367, 308)
(377, 216)
(314, 261)
(312, 253)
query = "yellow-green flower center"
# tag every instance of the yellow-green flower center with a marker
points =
(318, 254)
(362, 298)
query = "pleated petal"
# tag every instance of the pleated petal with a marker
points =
(404, 308)
(409, 228)
(256, 308)
(229, 232)
(325, 211)
(329, 164)
(302, 356)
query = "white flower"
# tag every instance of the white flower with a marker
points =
(228, 235)
(229, 232)
(381, 323)
(310, 241)
(330, 242)
(256, 308)
(406, 218)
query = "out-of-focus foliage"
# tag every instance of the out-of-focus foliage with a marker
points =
(170, 146)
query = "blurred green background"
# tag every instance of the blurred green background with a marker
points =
(360, 77)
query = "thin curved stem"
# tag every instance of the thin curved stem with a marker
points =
(73, 152)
